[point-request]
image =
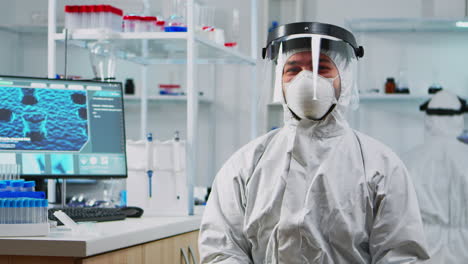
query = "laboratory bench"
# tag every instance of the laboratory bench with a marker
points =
(147, 239)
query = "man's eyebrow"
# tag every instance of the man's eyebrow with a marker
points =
(294, 62)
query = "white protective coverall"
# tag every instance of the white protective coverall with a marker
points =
(439, 169)
(313, 192)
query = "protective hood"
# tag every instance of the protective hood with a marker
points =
(326, 51)
(444, 115)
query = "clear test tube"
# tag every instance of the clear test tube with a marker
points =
(13, 172)
(22, 211)
(43, 211)
(46, 210)
(93, 16)
(109, 17)
(28, 186)
(3, 174)
(29, 210)
(25, 209)
(138, 21)
(84, 16)
(7, 204)
(75, 18)
(16, 171)
(12, 217)
(118, 20)
(36, 211)
(128, 24)
(101, 16)
(19, 211)
(149, 23)
(15, 214)
(2, 211)
(17, 185)
(68, 17)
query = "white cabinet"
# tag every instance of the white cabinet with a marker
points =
(162, 48)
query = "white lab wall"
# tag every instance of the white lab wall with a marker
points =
(8, 53)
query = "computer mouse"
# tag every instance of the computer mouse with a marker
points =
(132, 211)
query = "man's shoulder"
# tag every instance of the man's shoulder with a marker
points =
(244, 160)
(255, 147)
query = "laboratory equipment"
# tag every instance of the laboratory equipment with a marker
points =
(233, 29)
(22, 216)
(103, 59)
(103, 17)
(86, 214)
(205, 17)
(28, 186)
(170, 89)
(390, 85)
(169, 180)
(403, 86)
(84, 139)
(160, 25)
(176, 21)
(9, 171)
(129, 86)
(129, 23)
(148, 24)
(149, 162)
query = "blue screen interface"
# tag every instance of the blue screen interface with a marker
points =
(59, 128)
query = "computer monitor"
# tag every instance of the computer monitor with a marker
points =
(62, 128)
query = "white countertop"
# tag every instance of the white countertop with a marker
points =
(106, 236)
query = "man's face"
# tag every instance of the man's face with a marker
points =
(303, 61)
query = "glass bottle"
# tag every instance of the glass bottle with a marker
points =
(390, 85)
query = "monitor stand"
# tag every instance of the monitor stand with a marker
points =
(63, 193)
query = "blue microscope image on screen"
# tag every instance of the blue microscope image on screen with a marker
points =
(62, 164)
(43, 119)
(33, 163)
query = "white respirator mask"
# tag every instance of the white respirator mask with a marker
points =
(299, 95)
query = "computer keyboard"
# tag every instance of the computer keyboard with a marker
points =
(86, 214)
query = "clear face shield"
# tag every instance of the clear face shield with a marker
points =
(312, 74)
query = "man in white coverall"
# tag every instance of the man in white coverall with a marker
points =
(314, 191)
(439, 169)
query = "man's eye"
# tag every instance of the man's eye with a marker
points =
(293, 70)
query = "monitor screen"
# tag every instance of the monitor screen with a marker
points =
(62, 128)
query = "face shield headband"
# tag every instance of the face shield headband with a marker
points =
(444, 112)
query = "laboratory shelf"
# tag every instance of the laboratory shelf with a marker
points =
(163, 47)
(401, 25)
(165, 98)
(25, 29)
(393, 97)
